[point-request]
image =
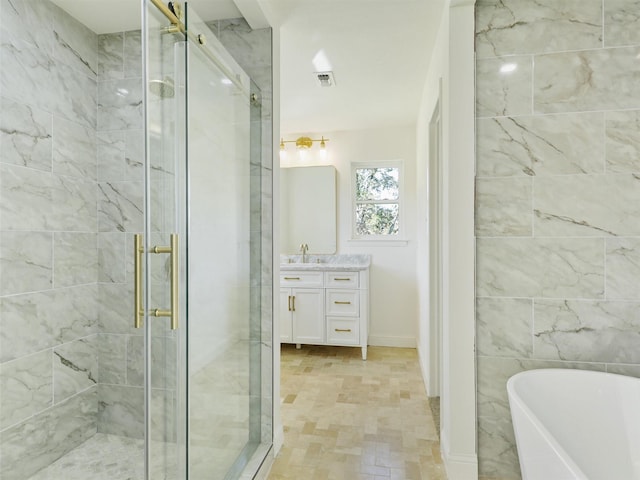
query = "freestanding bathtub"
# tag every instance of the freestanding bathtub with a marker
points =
(576, 424)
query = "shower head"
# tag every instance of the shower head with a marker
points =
(162, 88)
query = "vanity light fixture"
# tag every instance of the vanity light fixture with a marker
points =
(304, 143)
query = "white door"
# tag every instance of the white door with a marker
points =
(308, 315)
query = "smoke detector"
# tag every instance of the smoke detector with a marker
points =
(325, 79)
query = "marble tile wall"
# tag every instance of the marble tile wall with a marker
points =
(557, 195)
(120, 187)
(48, 235)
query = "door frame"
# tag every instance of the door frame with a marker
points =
(435, 184)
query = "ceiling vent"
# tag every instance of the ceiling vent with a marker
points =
(325, 79)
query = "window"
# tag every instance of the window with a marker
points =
(377, 190)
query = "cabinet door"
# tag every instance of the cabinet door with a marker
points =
(308, 315)
(285, 316)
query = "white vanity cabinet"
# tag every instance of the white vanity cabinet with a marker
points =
(325, 307)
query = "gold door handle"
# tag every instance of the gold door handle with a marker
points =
(138, 250)
(293, 303)
(292, 278)
(289, 302)
(174, 281)
(342, 329)
(172, 250)
(342, 303)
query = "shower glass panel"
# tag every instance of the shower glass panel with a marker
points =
(162, 268)
(201, 255)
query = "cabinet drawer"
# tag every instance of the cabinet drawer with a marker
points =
(301, 279)
(342, 331)
(341, 279)
(342, 302)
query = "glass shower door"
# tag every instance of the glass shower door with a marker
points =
(161, 250)
(223, 282)
(200, 254)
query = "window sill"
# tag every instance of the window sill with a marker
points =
(378, 242)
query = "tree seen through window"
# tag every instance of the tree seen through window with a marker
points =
(377, 201)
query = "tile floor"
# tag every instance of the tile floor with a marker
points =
(101, 457)
(219, 431)
(346, 419)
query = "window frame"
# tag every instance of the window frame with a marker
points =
(395, 238)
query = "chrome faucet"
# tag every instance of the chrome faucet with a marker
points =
(304, 248)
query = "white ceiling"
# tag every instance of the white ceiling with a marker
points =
(378, 50)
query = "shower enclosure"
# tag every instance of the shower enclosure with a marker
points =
(135, 312)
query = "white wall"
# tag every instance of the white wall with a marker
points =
(393, 273)
(452, 63)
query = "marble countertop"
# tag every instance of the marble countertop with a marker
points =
(335, 263)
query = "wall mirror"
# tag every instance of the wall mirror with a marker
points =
(308, 209)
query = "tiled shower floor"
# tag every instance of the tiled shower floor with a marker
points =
(102, 457)
(220, 404)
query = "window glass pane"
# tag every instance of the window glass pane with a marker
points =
(377, 183)
(377, 219)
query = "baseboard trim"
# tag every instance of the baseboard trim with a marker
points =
(383, 341)
(459, 466)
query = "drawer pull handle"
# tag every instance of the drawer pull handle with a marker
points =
(292, 278)
(342, 279)
(342, 329)
(342, 303)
